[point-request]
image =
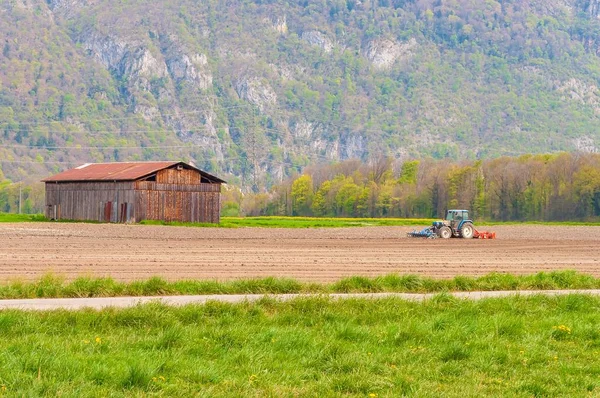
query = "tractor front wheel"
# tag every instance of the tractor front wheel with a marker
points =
(467, 230)
(445, 232)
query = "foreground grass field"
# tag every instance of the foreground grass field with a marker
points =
(519, 347)
(51, 286)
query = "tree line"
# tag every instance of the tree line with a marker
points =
(553, 187)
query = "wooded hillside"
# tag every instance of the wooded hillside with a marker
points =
(257, 90)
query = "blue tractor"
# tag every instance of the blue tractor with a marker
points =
(457, 224)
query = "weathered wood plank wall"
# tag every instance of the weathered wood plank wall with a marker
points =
(88, 200)
(175, 176)
(173, 202)
(176, 195)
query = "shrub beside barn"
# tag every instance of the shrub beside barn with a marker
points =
(134, 191)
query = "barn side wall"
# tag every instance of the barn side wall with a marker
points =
(181, 202)
(181, 176)
(94, 201)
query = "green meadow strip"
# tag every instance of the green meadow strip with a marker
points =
(309, 347)
(299, 222)
(52, 286)
(10, 217)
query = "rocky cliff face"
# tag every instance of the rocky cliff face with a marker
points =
(318, 39)
(316, 81)
(383, 53)
(255, 91)
(184, 66)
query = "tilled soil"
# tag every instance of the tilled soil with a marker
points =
(132, 252)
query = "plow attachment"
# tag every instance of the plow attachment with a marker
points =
(484, 235)
(424, 233)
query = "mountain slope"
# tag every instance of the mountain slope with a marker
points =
(258, 89)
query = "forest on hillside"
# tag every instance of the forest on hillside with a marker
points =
(255, 91)
(557, 187)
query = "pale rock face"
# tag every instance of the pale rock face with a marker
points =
(200, 59)
(302, 130)
(253, 90)
(585, 144)
(318, 39)
(355, 146)
(280, 25)
(64, 4)
(31, 6)
(383, 53)
(331, 150)
(23, 4)
(149, 113)
(579, 91)
(555, 8)
(277, 23)
(109, 51)
(136, 63)
(142, 63)
(66, 8)
(181, 67)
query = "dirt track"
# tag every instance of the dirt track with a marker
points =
(127, 252)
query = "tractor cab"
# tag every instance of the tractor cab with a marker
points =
(456, 215)
(455, 218)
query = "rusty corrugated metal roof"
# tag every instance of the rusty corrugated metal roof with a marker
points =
(124, 171)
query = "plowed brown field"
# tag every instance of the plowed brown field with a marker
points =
(128, 252)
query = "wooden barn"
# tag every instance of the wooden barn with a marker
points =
(134, 191)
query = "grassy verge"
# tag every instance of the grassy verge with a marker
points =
(10, 217)
(54, 286)
(303, 222)
(535, 346)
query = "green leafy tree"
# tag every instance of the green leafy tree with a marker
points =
(302, 194)
(586, 183)
(346, 198)
(319, 204)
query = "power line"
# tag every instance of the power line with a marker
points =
(136, 116)
(35, 162)
(98, 147)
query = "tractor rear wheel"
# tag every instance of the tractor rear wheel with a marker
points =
(467, 230)
(445, 232)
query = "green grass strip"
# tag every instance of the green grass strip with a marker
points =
(311, 347)
(302, 222)
(52, 286)
(10, 217)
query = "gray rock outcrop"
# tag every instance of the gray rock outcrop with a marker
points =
(383, 53)
(255, 91)
(318, 39)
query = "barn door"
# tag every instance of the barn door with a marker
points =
(52, 212)
(107, 211)
(124, 213)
